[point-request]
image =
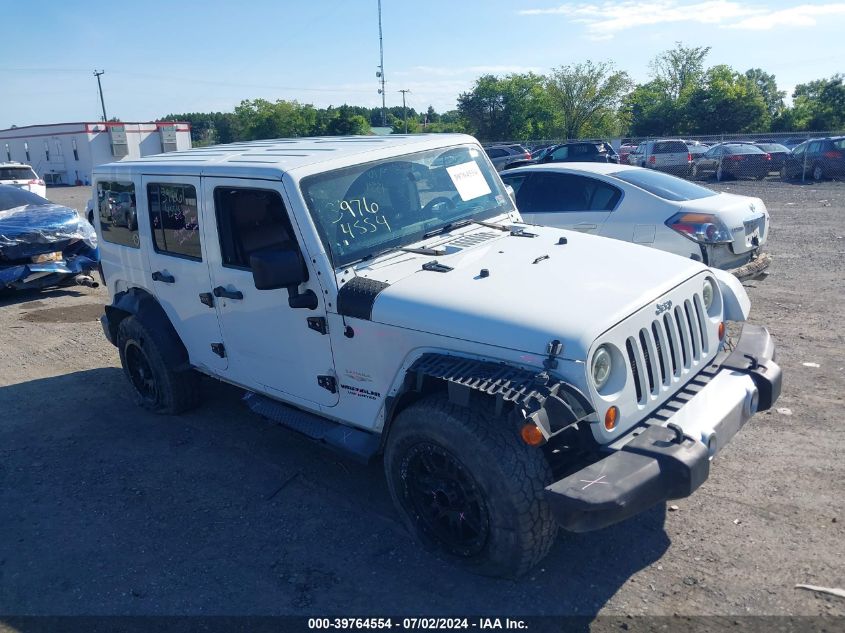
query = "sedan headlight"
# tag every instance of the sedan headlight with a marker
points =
(601, 366)
(707, 293)
(700, 227)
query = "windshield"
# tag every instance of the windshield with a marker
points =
(664, 185)
(11, 197)
(365, 210)
(17, 173)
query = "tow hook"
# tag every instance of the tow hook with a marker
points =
(86, 280)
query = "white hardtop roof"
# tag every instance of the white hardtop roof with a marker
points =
(271, 158)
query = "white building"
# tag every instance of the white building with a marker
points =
(65, 153)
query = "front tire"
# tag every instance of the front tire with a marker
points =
(818, 174)
(720, 175)
(467, 486)
(157, 385)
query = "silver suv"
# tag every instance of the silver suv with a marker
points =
(503, 155)
(669, 155)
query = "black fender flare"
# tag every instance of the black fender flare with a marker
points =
(551, 403)
(146, 308)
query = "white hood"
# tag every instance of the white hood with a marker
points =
(574, 292)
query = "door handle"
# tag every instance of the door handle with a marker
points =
(220, 291)
(583, 226)
(165, 278)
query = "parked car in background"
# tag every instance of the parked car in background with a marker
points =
(43, 244)
(818, 158)
(502, 155)
(646, 207)
(22, 176)
(669, 155)
(732, 160)
(794, 142)
(776, 151)
(575, 151)
(624, 150)
(696, 148)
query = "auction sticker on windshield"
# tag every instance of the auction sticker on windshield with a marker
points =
(468, 180)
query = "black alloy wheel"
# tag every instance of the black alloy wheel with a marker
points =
(446, 500)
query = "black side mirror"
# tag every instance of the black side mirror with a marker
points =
(283, 268)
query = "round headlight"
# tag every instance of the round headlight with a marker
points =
(707, 293)
(601, 366)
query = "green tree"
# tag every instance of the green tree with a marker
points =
(647, 111)
(587, 97)
(506, 108)
(768, 87)
(679, 69)
(820, 104)
(726, 102)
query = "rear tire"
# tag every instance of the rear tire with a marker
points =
(157, 385)
(818, 173)
(468, 487)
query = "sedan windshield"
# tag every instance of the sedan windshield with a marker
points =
(365, 210)
(663, 185)
(11, 197)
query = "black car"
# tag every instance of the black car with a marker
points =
(573, 152)
(732, 160)
(777, 152)
(819, 158)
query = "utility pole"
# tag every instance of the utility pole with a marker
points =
(100, 86)
(404, 111)
(380, 73)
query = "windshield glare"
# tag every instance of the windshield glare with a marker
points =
(663, 185)
(364, 210)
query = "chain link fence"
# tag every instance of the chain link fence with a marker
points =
(781, 156)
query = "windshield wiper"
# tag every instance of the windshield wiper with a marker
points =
(424, 251)
(491, 225)
(447, 227)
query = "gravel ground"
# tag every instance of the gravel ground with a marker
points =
(107, 509)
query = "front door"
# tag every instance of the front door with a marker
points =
(179, 263)
(566, 201)
(270, 346)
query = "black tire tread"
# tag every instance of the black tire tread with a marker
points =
(522, 474)
(179, 389)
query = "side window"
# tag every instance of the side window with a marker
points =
(561, 153)
(600, 195)
(496, 153)
(552, 193)
(814, 147)
(248, 221)
(118, 215)
(515, 181)
(174, 220)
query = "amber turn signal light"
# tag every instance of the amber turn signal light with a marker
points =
(532, 435)
(610, 418)
(721, 330)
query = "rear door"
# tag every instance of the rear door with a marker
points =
(569, 201)
(270, 346)
(179, 264)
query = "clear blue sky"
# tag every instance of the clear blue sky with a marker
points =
(162, 57)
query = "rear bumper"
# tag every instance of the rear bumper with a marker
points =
(753, 269)
(668, 455)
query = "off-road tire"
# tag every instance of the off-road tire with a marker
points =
(177, 390)
(509, 474)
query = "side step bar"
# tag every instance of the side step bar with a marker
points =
(355, 443)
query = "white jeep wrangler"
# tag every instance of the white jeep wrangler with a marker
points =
(381, 295)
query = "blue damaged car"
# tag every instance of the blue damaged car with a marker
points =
(43, 244)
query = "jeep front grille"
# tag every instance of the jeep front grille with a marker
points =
(669, 349)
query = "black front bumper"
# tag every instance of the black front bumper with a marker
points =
(658, 463)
